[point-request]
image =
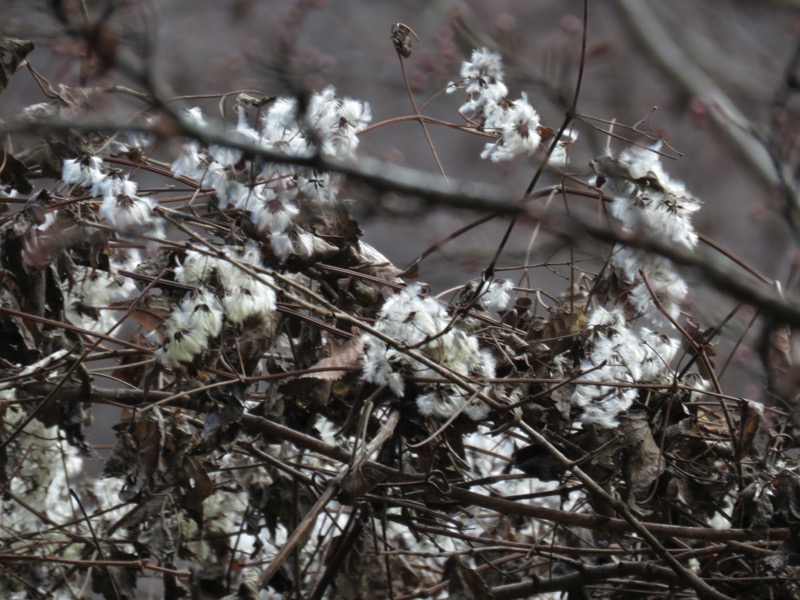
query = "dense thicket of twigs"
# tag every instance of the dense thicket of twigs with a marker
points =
(300, 418)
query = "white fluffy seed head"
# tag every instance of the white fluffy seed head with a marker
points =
(618, 358)
(413, 319)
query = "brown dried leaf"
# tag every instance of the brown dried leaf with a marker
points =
(148, 317)
(643, 457)
(135, 374)
(561, 329)
(465, 583)
(12, 53)
(116, 582)
(537, 462)
(753, 509)
(357, 482)
(13, 174)
(346, 356)
(787, 499)
(158, 539)
(752, 421)
(222, 423)
(136, 455)
(196, 485)
(19, 342)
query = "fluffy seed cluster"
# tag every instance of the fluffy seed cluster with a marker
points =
(496, 294)
(126, 212)
(121, 208)
(648, 201)
(413, 319)
(229, 294)
(482, 80)
(275, 198)
(89, 297)
(190, 327)
(515, 123)
(85, 171)
(46, 466)
(619, 358)
(243, 296)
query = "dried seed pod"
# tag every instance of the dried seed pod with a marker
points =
(401, 38)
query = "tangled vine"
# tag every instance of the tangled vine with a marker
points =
(298, 417)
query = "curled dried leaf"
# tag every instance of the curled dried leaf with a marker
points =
(342, 358)
(12, 53)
